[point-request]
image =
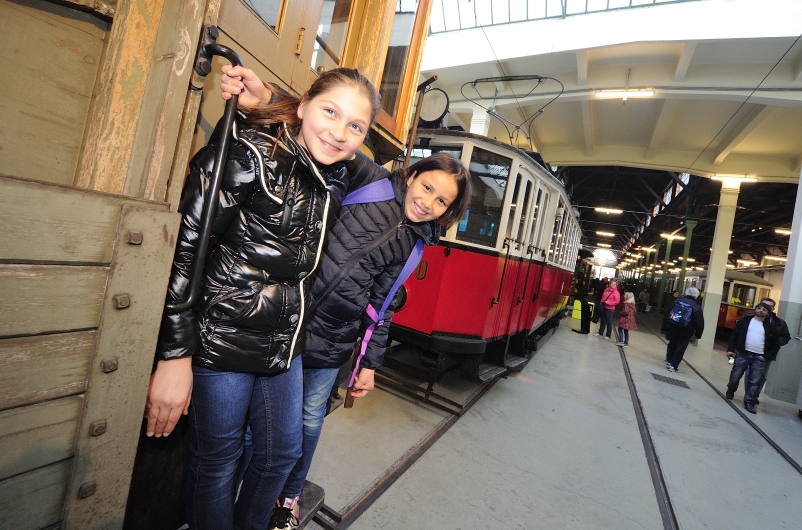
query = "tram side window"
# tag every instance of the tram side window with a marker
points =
(725, 293)
(268, 10)
(743, 295)
(331, 31)
(419, 153)
(489, 175)
(532, 241)
(554, 247)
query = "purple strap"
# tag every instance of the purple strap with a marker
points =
(378, 191)
(411, 264)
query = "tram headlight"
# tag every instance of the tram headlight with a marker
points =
(400, 298)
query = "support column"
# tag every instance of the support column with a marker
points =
(656, 254)
(480, 121)
(689, 226)
(717, 265)
(663, 279)
(783, 380)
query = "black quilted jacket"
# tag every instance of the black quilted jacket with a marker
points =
(274, 207)
(362, 257)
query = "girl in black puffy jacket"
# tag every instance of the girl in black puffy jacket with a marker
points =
(288, 168)
(362, 257)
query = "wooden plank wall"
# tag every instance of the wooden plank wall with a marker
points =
(58, 246)
(43, 111)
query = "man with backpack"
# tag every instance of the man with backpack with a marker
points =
(684, 320)
(754, 343)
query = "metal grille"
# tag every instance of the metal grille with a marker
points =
(670, 381)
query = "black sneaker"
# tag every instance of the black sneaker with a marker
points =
(750, 408)
(285, 515)
(730, 394)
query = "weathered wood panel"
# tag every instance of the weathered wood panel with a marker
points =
(54, 53)
(68, 225)
(47, 298)
(35, 369)
(113, 118)
(42, 488)
(38, 435)
(118, 397)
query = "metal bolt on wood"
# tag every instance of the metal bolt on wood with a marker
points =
(134, 238)
(108, 365)
(122, 301)
(97, 428)
(86, 490)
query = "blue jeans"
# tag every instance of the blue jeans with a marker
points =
(222, 404)
(623, 335)
(743, 361)
(606, 320)
(317, 389)
(676, 350)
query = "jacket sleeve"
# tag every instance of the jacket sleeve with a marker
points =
(382, 284)
(736, 331)
(698, 321)
(783, 336)
(179, 333)
(362, 171)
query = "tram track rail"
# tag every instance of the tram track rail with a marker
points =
(662, 494)
(331, 519)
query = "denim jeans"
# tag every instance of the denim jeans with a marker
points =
(222, 404)
(606, 320)
(675, 350)
(317, 388)
(623, 335)
(744, 360)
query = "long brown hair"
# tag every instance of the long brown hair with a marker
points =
(451, 165)
(283, 107)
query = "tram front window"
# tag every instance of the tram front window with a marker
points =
(489, 175)
(743, 295)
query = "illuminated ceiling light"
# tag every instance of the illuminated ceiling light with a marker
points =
(746, 262)
(606, 234)
(737, 178)
(624, 94)
(672, 236)
(783, 231)
(604, 245)
(776, 258)
(730, 266)
(608, 210)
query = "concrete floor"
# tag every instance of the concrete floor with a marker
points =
(558, 446)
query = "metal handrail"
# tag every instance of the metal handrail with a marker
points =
(210, 203)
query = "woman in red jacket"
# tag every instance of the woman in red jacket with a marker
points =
(609, 299)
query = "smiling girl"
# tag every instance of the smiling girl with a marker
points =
(362, 258)
(288, 167)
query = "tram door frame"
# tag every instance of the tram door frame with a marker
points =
(282, 55)
(518, 207)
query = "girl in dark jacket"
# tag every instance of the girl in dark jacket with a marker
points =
(362, 258)
(288, 167)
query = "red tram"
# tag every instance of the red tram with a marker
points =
(498, 280)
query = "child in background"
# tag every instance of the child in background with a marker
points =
(288, 167)
(362, 258)
(626, 321)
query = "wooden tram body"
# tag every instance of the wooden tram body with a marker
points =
(498, 279)
(93, 156)
(740, 293)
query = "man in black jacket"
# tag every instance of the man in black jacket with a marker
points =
(754, 343)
